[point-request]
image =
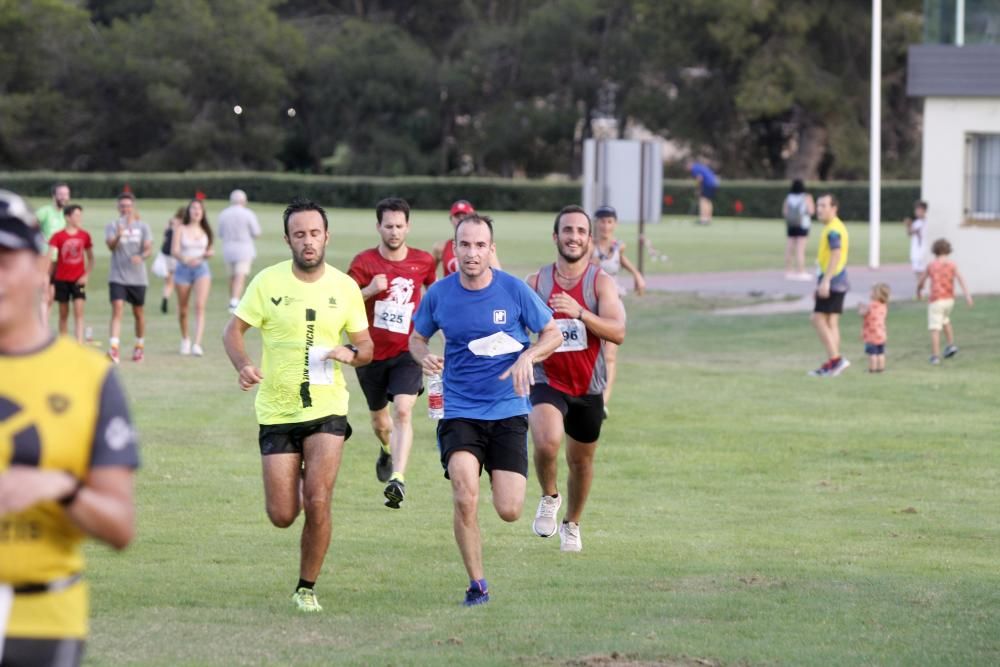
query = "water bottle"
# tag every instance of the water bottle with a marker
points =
(435, 396)
(88, 334)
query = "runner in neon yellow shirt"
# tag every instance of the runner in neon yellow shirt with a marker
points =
(303, 307)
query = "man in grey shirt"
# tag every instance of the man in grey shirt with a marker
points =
(238, 227)
(131, 242)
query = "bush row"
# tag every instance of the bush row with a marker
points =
(752, 199)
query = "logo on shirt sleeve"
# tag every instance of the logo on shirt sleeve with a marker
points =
(499, 317)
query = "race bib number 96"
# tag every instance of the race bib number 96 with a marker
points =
(574, 333)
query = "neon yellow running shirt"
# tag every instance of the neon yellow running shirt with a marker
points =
(299, 322)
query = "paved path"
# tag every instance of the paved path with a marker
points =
(774, 286)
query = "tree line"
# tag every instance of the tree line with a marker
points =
(766, 88)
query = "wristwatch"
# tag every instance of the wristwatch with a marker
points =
(352, 348)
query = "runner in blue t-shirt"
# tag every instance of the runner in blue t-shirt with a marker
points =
(488, 367)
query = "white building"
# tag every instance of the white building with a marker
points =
(957, 72)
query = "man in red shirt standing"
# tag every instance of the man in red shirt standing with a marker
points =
(392, 277)
(567, 398)
(74, 262)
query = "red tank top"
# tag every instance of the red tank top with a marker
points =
(577, 367)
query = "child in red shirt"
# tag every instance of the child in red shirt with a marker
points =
(873, 331)
(942, 273)
(74, 262)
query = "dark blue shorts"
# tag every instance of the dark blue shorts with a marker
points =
(872, 348)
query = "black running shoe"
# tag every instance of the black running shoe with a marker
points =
(163, 305)
(395, 491)
(383, 465)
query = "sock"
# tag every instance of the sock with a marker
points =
(398, 476)
(113, 341)
(478, 583)
(305, 584)
(233, 303)
(139, 342)
(385, 447)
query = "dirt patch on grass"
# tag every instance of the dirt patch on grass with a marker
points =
(616, 659)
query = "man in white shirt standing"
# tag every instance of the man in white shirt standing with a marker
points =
(238, 227)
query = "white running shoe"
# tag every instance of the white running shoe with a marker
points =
(196, 350)
(544, 524)
(186, 346)
(569, 537)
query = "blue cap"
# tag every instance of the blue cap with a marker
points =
(606, 212)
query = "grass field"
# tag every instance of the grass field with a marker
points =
(742, 513)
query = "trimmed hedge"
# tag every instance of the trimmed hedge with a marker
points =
(752, 199)
(763, 199)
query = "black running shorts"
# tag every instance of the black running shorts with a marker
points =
(500, 444)
(382, 380)
(288, 438)
(582, 415)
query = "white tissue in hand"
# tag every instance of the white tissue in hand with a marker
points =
(494, 345)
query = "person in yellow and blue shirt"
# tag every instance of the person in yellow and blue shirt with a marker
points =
(303, 307)
(831, 287)
(68, 456)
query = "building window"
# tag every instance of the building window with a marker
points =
(982, 178)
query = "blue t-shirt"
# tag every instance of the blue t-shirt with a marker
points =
(472, 388)
(708, 177)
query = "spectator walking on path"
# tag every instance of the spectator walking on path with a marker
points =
(797, 210)
(238, 227)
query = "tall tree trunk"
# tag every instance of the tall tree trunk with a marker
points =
(805, 162)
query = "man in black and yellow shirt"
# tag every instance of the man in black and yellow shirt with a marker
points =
(67, 460)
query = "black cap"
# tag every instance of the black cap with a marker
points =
(18, 228)
(606, 212)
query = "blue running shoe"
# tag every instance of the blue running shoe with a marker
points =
(477, 593)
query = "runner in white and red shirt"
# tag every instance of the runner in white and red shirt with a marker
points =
(567, 398)
(392, 277)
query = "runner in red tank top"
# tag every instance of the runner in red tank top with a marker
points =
(392, 277)
(444, 251)
(568, 395)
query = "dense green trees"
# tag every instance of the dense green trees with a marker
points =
(508, 87)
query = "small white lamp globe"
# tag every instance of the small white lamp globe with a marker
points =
(237, 109)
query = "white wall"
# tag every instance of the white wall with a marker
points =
(946, 123)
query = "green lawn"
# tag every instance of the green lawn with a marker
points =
(742, 513)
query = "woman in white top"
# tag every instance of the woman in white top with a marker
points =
(609, 254)
(797, 210)
(916, 229)
(192, 246)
